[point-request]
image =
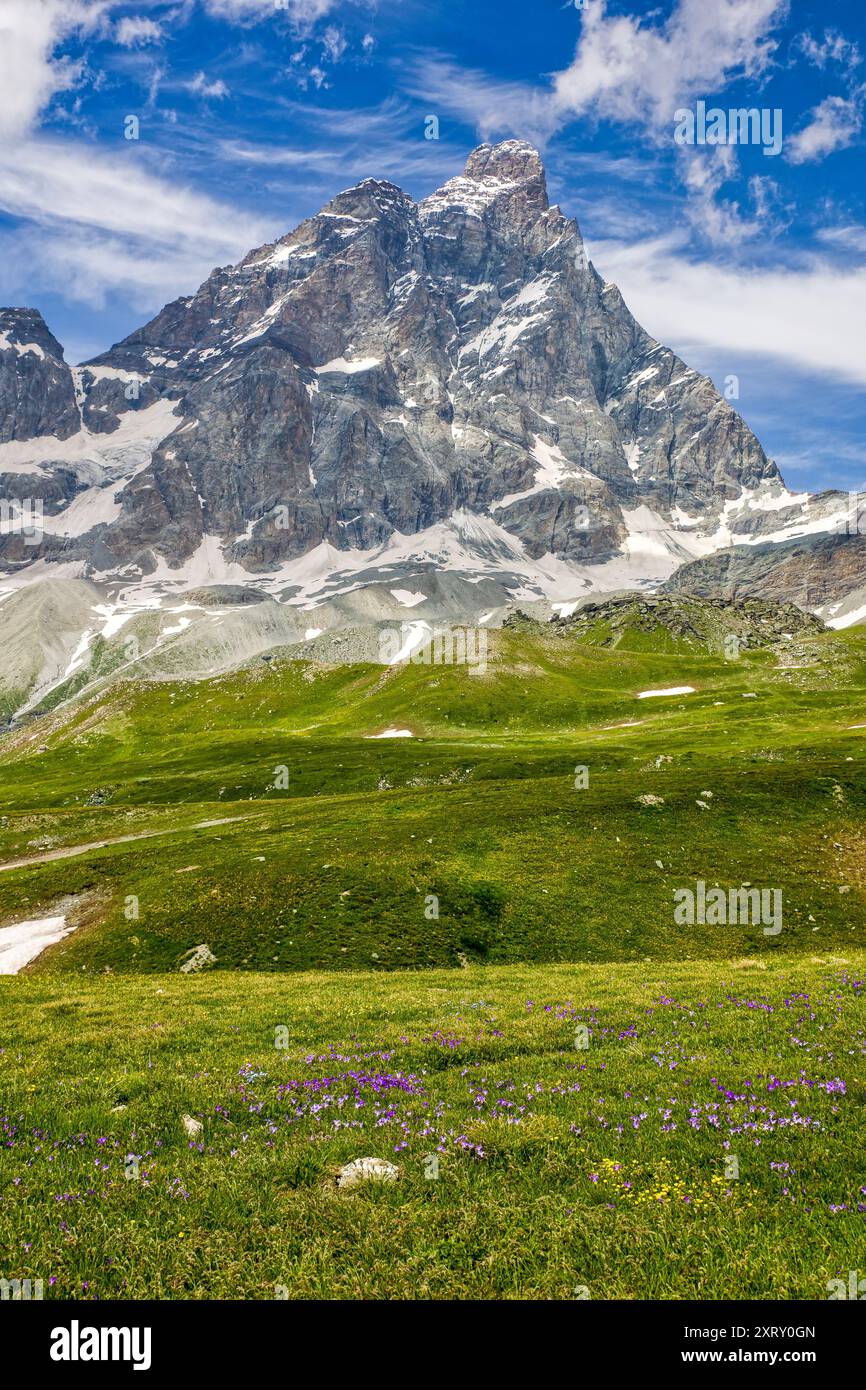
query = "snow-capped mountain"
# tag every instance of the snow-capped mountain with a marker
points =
(390, 390)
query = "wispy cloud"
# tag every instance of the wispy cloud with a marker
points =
(136, 32)
(202, 86)
(810, 316)
(102, 222)
(93, 222)
(492, 106)
(832, 48)
(849, 237)
(303, 13)
(31, 73)
(834, 124)
(626, 70)
(632, 72)
(334, 43)
(337, 146)
(321, 171)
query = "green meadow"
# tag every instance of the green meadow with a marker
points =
(584, 1125)
(467, 938)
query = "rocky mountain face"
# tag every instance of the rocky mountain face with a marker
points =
(812, 571)
(37, 394)
(391, 388)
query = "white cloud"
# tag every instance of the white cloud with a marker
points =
(811, 317)
(101, 222)
(493, 107)
(201, 85)
(86, 266)
(723, 221)
(30, 75)
(627, 71)
(834, 48)
(303, 13)
(334, 43)
(60, 180)
(133, 32)
(634, 72)
(704, 173)
(849, 237)
(770, 208)
(154, 82)
(834, 124)
(91, 221)
(342, 145)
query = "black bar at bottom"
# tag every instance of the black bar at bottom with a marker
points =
(63, 1339)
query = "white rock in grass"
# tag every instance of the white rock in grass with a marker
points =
(192, 1127)
(367, 1170)
(198, 958)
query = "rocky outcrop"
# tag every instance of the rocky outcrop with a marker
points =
(811, 571)
(37, 392)
(681, 620)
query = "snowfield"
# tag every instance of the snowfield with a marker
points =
(673, 690)
(24, 941)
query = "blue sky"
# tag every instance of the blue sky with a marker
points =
(253, 113)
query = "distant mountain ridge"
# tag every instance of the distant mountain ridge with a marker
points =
(389, 390)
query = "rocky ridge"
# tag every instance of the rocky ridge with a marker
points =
(450, 383)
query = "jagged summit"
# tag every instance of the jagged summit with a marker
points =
(380, 187)
(508, 162)
(506, 179)
(513, 161)
(390, 385)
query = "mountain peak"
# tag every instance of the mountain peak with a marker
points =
(513, 161)
(510, 161)
(510, 175)
(37, 394)
(26, 325)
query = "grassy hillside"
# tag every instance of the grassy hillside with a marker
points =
(455, 949)
(332, 845)
(706, 1142)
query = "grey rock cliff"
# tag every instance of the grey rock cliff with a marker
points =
(387, 363)
(381, 369)
(37, 393)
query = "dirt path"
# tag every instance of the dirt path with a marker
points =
(69, 851)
